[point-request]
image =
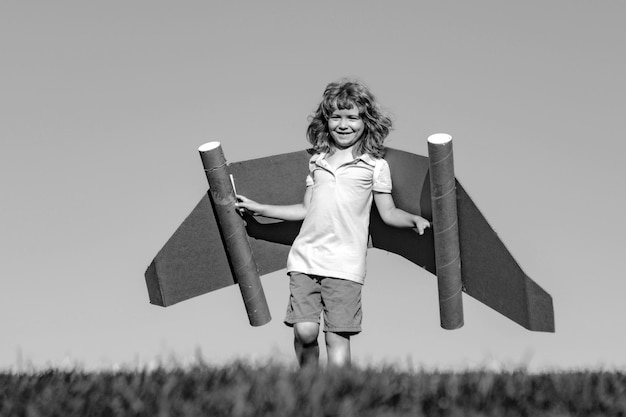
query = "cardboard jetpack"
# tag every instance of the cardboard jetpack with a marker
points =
(207, 251)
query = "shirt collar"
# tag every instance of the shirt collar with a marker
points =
(367, 158)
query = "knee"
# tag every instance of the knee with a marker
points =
(338, 347)
(306, 332)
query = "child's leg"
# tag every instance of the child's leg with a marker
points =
(342, 317)
(305, 342)
(303, 314)
(338, 348)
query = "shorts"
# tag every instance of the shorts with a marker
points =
(339, 299)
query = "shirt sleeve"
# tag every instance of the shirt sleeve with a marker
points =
(382, 177)
(312, 162)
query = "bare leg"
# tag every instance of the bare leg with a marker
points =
(338, 348)
(305, 342)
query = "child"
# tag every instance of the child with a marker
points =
(326, 263)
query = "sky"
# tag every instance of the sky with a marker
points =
(103, 106)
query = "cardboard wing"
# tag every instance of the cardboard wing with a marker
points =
(489, 272)
(193, 261)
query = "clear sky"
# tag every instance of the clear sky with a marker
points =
(104, 104)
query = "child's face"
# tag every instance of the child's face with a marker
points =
(346, 127)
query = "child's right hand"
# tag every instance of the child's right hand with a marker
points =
(245, 203)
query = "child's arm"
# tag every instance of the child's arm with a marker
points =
(394, 216)
(290, 213)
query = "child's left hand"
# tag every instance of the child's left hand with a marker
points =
(420, 224)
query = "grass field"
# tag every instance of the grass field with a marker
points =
(241, 389)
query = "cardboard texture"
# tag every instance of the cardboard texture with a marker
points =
(193, 261)
(233, 233)
(446, 234)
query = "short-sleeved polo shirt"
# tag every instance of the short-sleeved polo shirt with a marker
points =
(333, 237)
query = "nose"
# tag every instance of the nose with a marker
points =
(343, 123)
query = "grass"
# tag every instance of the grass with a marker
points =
(241, 389)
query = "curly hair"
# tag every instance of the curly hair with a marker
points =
(343, 96)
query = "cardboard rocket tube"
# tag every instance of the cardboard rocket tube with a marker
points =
(234, 234)
(446, 231)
